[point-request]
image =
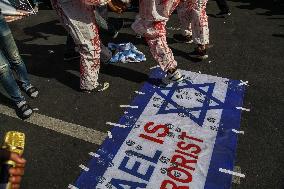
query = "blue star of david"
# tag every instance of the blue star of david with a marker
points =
(188, 111)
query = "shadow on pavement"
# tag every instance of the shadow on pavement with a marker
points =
(278, 35)
(44, 30)
(272, 7)
(5, 100)
(123, 72)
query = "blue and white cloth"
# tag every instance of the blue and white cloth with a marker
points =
(125, 52)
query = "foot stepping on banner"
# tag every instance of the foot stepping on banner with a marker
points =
(180, 135)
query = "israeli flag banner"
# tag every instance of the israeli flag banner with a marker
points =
(179, 137)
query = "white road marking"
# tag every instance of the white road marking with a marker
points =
(83, 167)
(70, 129)
(231, 172)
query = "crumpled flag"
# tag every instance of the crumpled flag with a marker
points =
(125, 52)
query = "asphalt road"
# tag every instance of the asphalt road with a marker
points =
(247, 46)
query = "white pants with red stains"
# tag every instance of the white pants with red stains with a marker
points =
(151, 22)
(193, 20)
(79, 20)
(152, 18)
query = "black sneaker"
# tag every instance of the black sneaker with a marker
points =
(101, 87)
(171, 78)
(23, 110)
(199, 54)
(223, 14)
(182, 38)
(71, 56)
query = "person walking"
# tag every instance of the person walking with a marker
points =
(10, 59)
(194, 26)
(79, 20)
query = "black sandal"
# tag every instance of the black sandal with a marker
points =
(24, 111)
(32, 92)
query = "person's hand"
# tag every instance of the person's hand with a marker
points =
(16, 172)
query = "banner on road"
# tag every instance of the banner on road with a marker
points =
(178, 137)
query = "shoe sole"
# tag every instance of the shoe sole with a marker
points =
(27, 116)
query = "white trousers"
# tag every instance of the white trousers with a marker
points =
(193, 19)
(79, 20)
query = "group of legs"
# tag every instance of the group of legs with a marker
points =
(79, 19)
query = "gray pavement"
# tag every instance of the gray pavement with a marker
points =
(247, 46)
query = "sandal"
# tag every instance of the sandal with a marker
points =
(24, 110)
(32, 92)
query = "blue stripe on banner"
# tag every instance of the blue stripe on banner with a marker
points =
(107, 151)
(224, 151)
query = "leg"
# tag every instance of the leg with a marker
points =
(10, 85)
(159, 47)
(155, 34)
(184, 18)
(105, 55)
(79, 20)
(185, 21)
(10, 50)
(200, 30)
(8, 81)
(70, 50)
(199, 23)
